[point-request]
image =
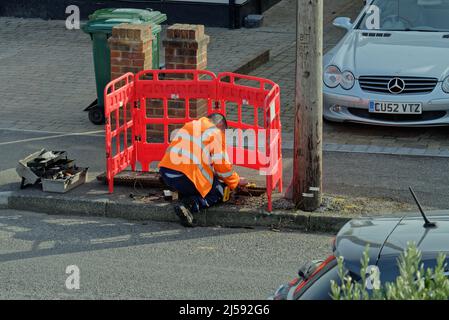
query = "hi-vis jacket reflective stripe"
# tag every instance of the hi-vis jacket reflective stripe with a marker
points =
(199, 151)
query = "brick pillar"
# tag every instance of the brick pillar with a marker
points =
(186, 48)
(131, 49)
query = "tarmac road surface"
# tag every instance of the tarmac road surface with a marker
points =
(122, 260)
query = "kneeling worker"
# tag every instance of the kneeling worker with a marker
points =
(197, 165)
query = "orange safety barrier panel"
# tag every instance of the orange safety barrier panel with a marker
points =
(261, 101)
(161, 101)
(152, 91)
(120, 128)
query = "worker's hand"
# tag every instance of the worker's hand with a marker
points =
(243, 182)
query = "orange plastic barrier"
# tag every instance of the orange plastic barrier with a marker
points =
(251, 104)
(120, 128)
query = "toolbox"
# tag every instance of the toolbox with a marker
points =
(65, 181)
(53, 169)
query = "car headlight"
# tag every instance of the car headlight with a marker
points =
(347, 80)
(446, 85)
(332, 77)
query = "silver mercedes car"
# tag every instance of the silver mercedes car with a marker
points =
(392, 66)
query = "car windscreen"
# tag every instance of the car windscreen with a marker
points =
(407, 15)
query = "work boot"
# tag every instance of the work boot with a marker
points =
(191, 203)
(184, 215)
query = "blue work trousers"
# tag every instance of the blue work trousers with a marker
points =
(178, 181)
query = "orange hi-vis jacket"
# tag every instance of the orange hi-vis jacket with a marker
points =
(198, 150)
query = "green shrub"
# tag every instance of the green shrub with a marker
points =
(413, 283)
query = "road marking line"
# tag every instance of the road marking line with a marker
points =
(48, 132)
(50, 137)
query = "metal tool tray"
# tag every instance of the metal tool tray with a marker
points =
(35, 166)
(77, 176)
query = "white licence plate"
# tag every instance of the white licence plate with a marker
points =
(395, 107)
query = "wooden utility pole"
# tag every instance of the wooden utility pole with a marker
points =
(307, 167)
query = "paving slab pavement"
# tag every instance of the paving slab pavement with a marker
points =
(47, 77)
(47, 74)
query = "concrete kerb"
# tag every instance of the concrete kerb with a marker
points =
(53, 204)
(259, 59)
(375, 149)
(221, 216)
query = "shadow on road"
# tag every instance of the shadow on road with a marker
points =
(53, 235)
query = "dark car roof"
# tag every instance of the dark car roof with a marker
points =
(388, 237)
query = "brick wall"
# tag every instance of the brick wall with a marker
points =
(185, 48)
(131, 49)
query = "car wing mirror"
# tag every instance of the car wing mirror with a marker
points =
(343, 23)
(306, 270)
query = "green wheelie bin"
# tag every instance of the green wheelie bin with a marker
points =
(99, 27)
